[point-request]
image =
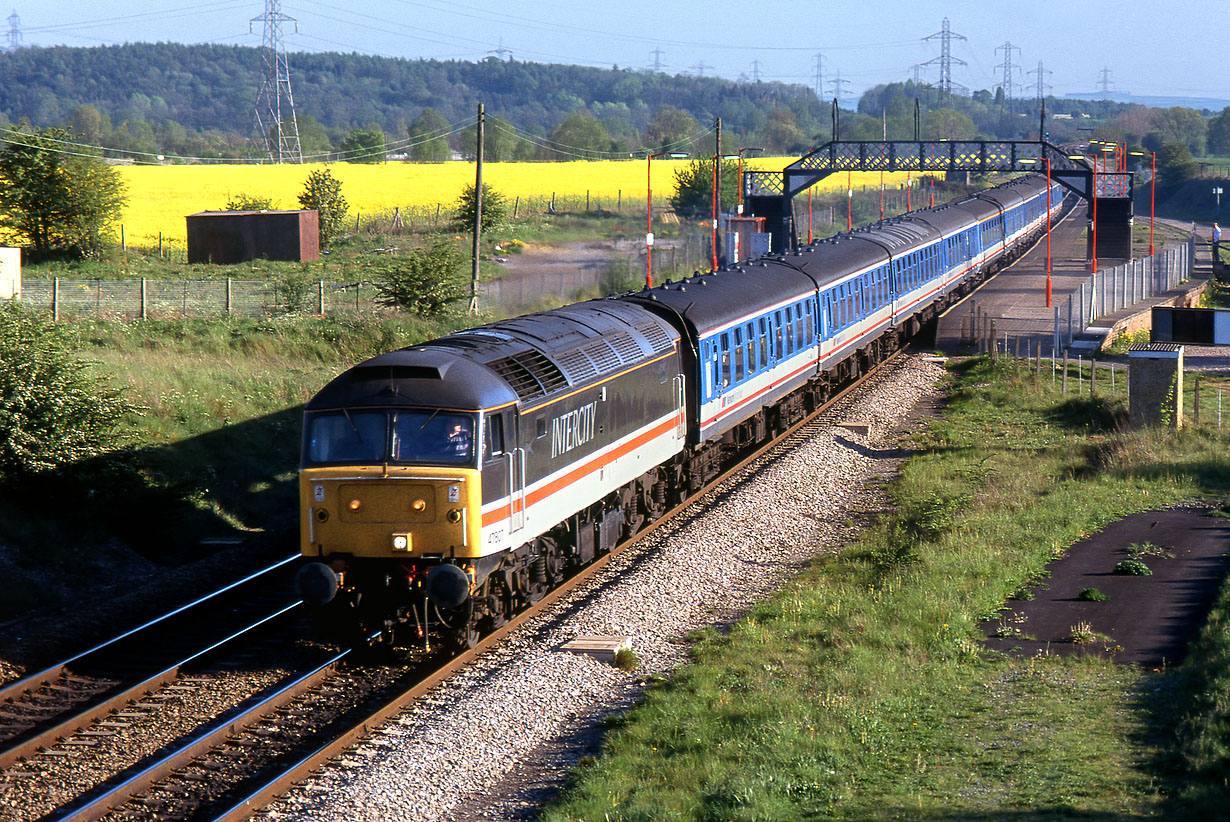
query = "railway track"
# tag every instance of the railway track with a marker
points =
(232, 767)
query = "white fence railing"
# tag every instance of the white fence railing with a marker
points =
(1114, 289)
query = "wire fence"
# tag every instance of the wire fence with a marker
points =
(1113, 289)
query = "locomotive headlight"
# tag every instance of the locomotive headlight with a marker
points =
(355, 505)
(454, 515)
(419, 505)
(401, 542)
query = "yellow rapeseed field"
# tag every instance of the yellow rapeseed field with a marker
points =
(159, 197)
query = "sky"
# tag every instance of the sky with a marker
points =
(1148, 48)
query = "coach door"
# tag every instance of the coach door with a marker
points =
(516, 478)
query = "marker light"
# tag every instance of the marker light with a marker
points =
(419, 505)
(401, 542)
(355, 505)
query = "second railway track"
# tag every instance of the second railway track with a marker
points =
(256, 751)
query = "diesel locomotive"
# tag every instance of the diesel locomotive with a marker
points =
(447, 485)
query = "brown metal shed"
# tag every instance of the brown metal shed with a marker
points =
(239, 236)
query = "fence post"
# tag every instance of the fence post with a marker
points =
(1055, 337)
(1064, 379)
(1069, 322)
(320, 294)
(1093, 377)
(228, 295)
(55, 299)
(185, 298)
(144, 310)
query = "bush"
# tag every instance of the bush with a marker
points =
(693, 196)
(323, 192)
(1093, 595)
(250, 202)
(1133, 567)
(626, 659)
(495, 208)
(426, 281)
(294, 288)
(52, 412)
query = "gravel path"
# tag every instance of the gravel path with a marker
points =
(482, 745)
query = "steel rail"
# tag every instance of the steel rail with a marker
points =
(28, 746)
(93, 808)
(50, 674)
(296, 772)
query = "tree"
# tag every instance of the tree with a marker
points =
(52, 412)
(1182, 125)
(669, 129)
(313, 139)
(1219, 134)
(579, 137)
(363, 145)
(249, 202)
(427, 137)
(426, 281)
(56, 203)
(323, 192)
(781, 133)
(1175, 164)
(947, 124)
(495, 208)
(693, 196)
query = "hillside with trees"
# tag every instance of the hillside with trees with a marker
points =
(197, 100)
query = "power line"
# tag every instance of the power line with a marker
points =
(819, 75)
(1042, 85)
(281, 140)
(945, 60)
(658, 65)
(1009, 76)
(838, 83)
(1105, 81)
(14, 32)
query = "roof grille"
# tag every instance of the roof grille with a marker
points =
(577, 366)
(658, 338)
(626, 347)
(604, 359)
(530, 374)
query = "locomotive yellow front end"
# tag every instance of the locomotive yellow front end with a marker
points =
(391, 493)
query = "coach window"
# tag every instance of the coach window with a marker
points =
(789, 323)
(764, 342)
(778, 351)
(715, 374)
(738, 357)
(751, 350)
(727, 366)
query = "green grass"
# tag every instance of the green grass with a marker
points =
(213, 449)
(861, 690)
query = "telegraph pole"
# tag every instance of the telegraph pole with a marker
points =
(717, 186)
(478, 210)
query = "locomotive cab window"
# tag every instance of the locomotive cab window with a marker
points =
(493, 442)
(367, 437)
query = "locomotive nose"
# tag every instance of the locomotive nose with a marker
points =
(316, 583)
(447, 585)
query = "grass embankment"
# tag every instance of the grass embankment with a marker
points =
(861, 691)
(213, 448)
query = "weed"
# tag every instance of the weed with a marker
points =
(1133, 567)
(626, 659)
(1093, 595)
(1082, 633)
(1139, 550)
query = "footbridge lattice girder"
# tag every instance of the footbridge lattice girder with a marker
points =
(1075, 173)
